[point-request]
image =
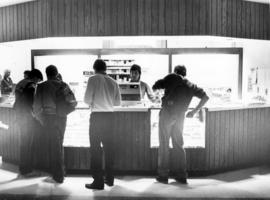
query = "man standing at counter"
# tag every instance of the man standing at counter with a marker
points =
(177, 97)
(102, 94)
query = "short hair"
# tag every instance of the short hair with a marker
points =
(27, 72)
(180, 70)
(35, 73)
(99, 65)
(51, 71)
(136, 67)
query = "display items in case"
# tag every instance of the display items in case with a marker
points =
(119, 69)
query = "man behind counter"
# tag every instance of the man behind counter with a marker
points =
(135, 76)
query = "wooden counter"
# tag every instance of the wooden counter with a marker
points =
(234, 138)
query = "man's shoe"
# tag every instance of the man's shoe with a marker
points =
(109, 181)
(95, 186)
(162, 179)
(181, 180)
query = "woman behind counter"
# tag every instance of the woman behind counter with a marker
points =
(6, 83)
(135, 76)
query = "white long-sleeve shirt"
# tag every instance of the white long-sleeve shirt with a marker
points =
(102, 93)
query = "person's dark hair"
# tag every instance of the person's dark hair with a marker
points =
(136, 68)
(27, 73)
(99, 65)
(180, 70)
(35, 73)
(51, 71)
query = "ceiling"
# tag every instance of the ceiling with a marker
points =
(11, 2)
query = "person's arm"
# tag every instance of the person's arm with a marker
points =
(149, 93)
(202, 102)
(117, 97)
(37, 104)
(89, 93)
(159, 85)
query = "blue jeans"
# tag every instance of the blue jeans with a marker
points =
(171, 127)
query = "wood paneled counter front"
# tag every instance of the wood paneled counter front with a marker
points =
(235, 137)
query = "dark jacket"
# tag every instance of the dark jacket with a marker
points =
(178, 92)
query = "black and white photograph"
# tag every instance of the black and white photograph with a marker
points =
(134, 99)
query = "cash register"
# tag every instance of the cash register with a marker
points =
(130, 93)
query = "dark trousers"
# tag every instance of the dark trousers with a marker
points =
(54, 128)
(100, 131)
(27, 130)
(171, 127)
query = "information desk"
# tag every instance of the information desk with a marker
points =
(234, 138)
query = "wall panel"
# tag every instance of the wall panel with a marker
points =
(47, 18)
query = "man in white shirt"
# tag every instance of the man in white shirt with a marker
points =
(102, 94)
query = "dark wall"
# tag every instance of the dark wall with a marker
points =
(47, 18)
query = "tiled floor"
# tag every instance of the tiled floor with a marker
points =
(252, 183)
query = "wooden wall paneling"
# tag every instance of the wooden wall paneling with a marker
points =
(224, 18)
(243, 118)
(74, 17)
(155, 17)
(14, 23)
(7, 23)
(213, 5)
(248, 19)
(44, 13)
(229, 11)
(128, 13)
(256, 134)
(141, 17)
(147, 17)
(261, 20)
(257, 10)
(134, 16)
(107, 17)
(219, 16)
(114, 17)
(260, 125)
(121, 15)
(1, 25)
(100, 17)
(174, 17)
(182, 17)
(236, 138)
(227, 147)
(196, 17)
(188, 17)
(31, 20)
(168, 17)
(161, 18)
(87, 17)
(202, 17)
(27, 21)
(231, 120)
(54, 16)
(217, 145)
(238, 5)
(36, 16)
(266, 10)
(212, 133)
(81, 17)
(207, 140)
(223, 140)
(243, 19)
(68, 18)
(249, 138)
(58, 18)
(39, 19)
(234, 19)
(252, 20)
(266, 132)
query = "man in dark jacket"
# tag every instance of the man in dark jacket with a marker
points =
(46, 111)
(177, 97)
(24, 116)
